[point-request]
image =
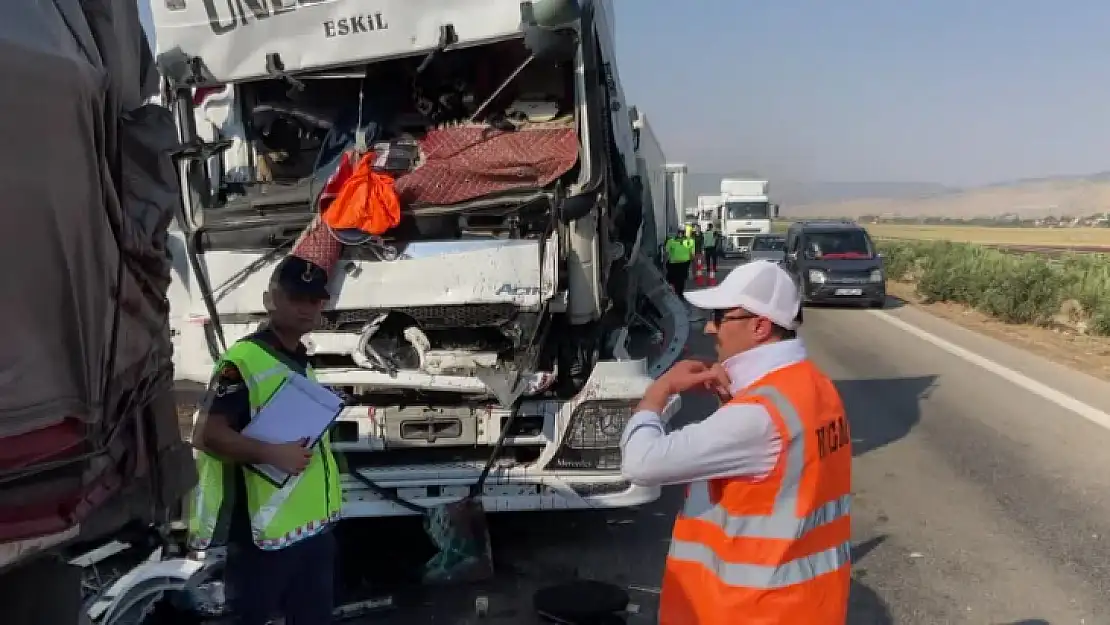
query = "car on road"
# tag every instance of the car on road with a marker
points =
(770, 247)
(835, 262)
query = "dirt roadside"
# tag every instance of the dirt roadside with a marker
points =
(1089, 354)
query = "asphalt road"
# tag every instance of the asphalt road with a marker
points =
(977, 500)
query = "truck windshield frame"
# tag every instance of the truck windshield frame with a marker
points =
(208, 183)
(748, 210)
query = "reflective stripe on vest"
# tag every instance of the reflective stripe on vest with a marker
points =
(765, 577)
(267, 512)
(265, 502)
(782, 523)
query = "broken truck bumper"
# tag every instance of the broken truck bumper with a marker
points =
(514, 490)
(567, 456)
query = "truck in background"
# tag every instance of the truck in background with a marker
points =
(746, 210)
(708, 212)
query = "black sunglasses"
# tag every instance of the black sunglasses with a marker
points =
(719, 316)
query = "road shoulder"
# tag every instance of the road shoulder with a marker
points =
(1009, 347)
(1089, 355)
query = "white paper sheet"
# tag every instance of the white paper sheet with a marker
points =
(299, 409)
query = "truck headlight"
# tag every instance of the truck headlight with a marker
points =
(816, 276)
(876, 275)
(593, 436)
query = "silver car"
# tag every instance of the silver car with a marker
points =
(770, 247)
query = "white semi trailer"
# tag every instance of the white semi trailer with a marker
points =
(676, 194)
(654, 177)
(709, 212)
(746, 210)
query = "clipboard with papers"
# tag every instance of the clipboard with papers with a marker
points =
(300, 408)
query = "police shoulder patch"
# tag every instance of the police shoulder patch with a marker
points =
(229, 373)
(227, 380)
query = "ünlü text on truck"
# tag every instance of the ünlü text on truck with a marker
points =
(535, 298)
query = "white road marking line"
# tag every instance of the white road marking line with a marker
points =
(1088, 412)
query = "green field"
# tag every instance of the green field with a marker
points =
(1015, 288)
(995, 236)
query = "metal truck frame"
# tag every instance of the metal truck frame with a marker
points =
(592, 276)
(587, 314)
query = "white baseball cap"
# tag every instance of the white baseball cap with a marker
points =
(760, 287)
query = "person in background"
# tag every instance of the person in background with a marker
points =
(679, 251)
(281, 552)
(764, 536)
(699, 241)
(709, 241)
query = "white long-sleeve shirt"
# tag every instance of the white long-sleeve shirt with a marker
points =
(736, 440)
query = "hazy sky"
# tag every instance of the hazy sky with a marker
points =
(959, 92)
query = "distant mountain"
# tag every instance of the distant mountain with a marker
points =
(1075, 196)
(793, 193)
(1078, 196)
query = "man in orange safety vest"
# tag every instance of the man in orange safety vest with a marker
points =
(764, 536)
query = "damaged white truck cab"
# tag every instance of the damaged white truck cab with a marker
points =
(514, 287)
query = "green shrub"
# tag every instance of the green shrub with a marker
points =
(898, 260)
(1015, 288)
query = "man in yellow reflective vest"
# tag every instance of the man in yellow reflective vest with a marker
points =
(679, 251)
(281, 553)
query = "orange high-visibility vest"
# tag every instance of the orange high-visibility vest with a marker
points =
(776, 550)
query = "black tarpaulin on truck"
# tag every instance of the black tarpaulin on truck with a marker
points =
(88, 432)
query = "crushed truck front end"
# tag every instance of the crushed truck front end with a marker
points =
(457, 313)
(511, 290)
(559, 455)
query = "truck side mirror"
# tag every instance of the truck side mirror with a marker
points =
(775, 208)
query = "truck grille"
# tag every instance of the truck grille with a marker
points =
(466, 315)
(514, 454)
(461, 315)
(593, 436)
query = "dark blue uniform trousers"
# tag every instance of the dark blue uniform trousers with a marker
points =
(296, 582)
